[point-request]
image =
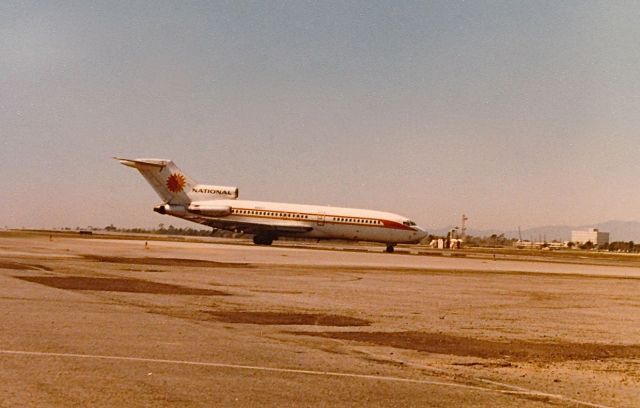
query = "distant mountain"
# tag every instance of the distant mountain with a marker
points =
(618, 230)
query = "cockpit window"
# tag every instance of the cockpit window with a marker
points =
(409, 223)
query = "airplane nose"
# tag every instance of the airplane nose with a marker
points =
(420, 233)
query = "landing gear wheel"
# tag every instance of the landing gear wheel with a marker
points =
(262, 239)
(389, 249)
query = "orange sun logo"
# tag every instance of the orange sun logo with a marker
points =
(176, 182)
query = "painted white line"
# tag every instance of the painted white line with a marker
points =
(238, 366)
(510, 388)
(505, 385)
(298, 371)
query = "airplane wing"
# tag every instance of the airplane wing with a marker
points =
(250, 227)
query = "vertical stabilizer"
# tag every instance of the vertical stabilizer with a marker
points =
(171, 184)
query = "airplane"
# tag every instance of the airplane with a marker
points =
(219, 207)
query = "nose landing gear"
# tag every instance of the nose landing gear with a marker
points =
(389, 249)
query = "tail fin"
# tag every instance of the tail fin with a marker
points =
(171, 184)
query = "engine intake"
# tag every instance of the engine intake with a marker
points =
(170, 209)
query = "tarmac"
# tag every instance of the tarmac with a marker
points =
(102, 322)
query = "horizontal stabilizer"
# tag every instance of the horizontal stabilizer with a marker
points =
(135, 163)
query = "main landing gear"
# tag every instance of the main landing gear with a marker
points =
(389, 249)
(263, 239)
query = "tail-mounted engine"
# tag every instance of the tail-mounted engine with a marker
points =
(210, 209)
(171, 209)
(201, 192)
(204, 208)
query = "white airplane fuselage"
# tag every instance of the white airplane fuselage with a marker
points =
(324, 222)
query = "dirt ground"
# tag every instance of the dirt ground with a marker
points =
(101, 322)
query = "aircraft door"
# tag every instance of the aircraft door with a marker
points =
(320, 220)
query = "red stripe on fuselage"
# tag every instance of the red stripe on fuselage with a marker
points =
(396, 225)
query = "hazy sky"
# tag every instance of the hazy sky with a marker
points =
(516, 113)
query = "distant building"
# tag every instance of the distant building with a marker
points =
(528, 244)
(592, 234)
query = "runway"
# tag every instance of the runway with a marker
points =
(106, 322)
